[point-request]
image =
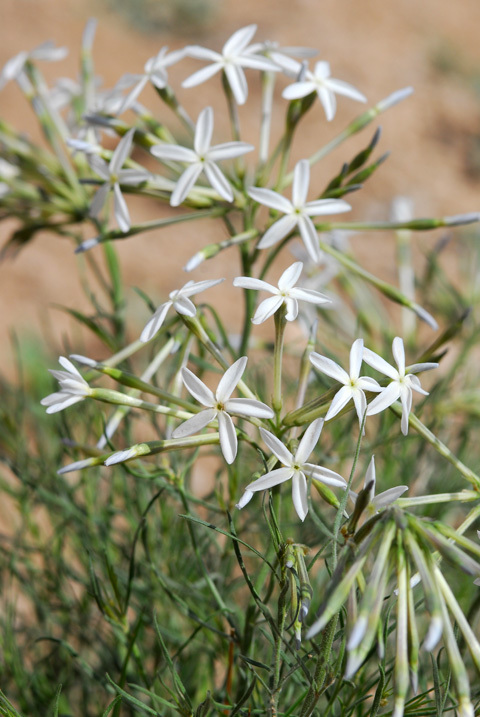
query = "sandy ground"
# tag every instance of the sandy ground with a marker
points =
(377, 46)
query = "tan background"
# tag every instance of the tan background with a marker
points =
(377, 45)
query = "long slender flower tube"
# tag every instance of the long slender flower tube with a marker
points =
(219, 406)
(235, 55)
(286, 293)
(113, 175)
(180, 301)
(295, 467)
(73, 388)
(202, 158)
(402, 384)
(326, 87)
(298, 212)
(354, 385)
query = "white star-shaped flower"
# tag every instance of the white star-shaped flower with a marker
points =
(180, 302)
(234, 56)
(14, 67)
(113, 175)
(354, 385)
(295, 468)
(155, 71)
(286, 293)
(219, 406)
(325, 86)
(401, 385)
(73, 388)
(382, 500)
(202, 158)
(297, 212)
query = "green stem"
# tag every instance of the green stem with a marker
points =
(280, 323)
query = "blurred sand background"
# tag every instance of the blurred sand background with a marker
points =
(377, 46)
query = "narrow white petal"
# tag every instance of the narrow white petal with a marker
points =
(309, 440)
(228, 436)
(310, 238)
(292, 309)
(246, 282)
(398, 351)
(198, 389)
(313, 297)
(65, 402)
(133, 176)
(278, 231)
(418, 367)
(195, 424)
(174, 152)
(202, 75)
(320, 207)
(239, 40)
(203, 131)
(301, 182)
(203, 53)
(218, 181)
(155, 322)
(299, 494)
(68, 365)
(192, 288)
(120, 209)
(99, 200)
(339, 401)
(230, 379)
(360, 401)
(343, 88)
(246, 498)
(365, 383)
(121, 152)
(324, 475)
(384, 399)
(277, 447)
(228, 150)
(184, 306)
(298, 90)
(238, 83)
(98, 165)
(132, 95)
(280, 475)
(328, 101)
(389, 496)
(256, 62)
(356, 358)
(185, 184)
(248, 407)
(267, 308)
(406, 400)
(379, 364)
(290, 276)
(271, 199)
(329, 367)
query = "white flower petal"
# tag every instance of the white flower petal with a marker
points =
(155, 322)
(313, 297)
(218, 181)
(192, 288)
(379, 364)
(257, 62)
(299, 494)
(418, 367)
(329, 367)
(68, 365)
(339, 401)
(248, 407)
(230, 379)
(202, 75)
(228, 437)
(345, 89)
(98, 165)
(298, 90)
(328, 101)
(120, 209)
(320, 207)
(228, 150)
(184, 306)
(290, 276)
(121, 152)
(203, 131)
(133, 176)
(238, 83)
(99, 200)
(278, 231)
(398, 351)
(203, 53)
(132, 95)
(195, 424)
(173, 152)
(185, 184)
(368, 384)
(291, 309)
(247, 282)
(406, 400)
(280, 475)
(360, 401)
(301, 182)
(246, 498)
(384, 399)
(239, 40)
(197, 389)
(356, 358)
(267, 308)
(324, 475)
(382, 500)
(277, 447)
(309, 440)
(271, 199)
(310, 238)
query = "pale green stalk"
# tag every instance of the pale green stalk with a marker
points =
(280, 324)
(459, 673)
(462, 496)
(406, 280)
(268, 86)
(401, 652)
